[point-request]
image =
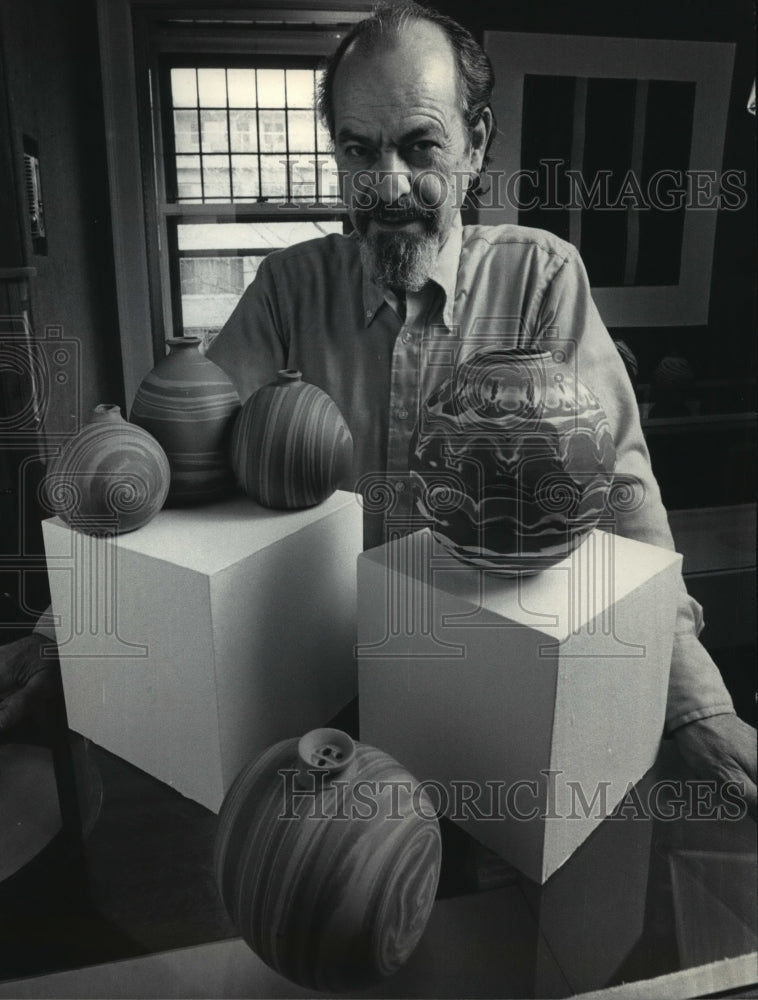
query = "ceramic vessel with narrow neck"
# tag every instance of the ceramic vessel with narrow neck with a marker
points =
(512, 460)
(111, 478)
(327, 857)
(189, 404)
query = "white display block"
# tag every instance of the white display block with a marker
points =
(190, 645)
(523, 697)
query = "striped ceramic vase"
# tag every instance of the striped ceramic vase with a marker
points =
(111, 478)
(291, 446)
(188, 404)
(327, 858)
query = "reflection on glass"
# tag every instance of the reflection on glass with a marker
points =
(271, 88)
(241, 87)
(245, 177)
(243, 131)
(300, 84)
(211, 85)
(216, 181)
(188, 184)
(186, 132)
(184, 88)
(302, 134)
(274, 176)
(302, 176)
(273, 131)
(213, 131)
(328, 179)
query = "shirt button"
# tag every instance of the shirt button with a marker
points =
(407, 338)
(369, 314)
(401, 414)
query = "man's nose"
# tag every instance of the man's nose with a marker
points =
(393, 178)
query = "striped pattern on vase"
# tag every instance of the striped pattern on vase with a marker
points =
(188, 404)
(111, 478)
(512, 461)
(327, 857)
(291, 447)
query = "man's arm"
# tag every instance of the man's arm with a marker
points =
(253, 346)
(699, 710)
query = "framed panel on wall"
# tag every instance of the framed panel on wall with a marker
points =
(616, 145)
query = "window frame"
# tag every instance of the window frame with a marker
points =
(135, 35)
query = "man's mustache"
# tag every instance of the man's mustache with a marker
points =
(396, 213)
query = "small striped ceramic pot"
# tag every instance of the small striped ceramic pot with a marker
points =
(291, 447)
(188, 404)
(327, 858)
(111, 478)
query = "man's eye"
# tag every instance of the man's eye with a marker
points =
(356, 152)
(422, 146)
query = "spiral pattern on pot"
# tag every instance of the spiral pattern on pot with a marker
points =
(111, 478)
(331, 884)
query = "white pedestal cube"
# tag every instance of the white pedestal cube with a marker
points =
(190, 645)
(533, 702)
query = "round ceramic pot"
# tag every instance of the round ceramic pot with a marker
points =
(111, 478)
(291, 447)
(512, 460)
(327, 857)
(188, 404)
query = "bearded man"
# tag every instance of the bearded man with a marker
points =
(406, 99)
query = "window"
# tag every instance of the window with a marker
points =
(215, 156)
(239, 133)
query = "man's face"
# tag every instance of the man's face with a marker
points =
(403, 152)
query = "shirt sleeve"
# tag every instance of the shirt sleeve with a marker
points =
(253, 346)
(696, 688)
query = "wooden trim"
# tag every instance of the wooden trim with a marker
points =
(126, 191)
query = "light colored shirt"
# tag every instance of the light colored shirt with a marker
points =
(312, 307)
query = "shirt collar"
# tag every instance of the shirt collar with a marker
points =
(444, 275)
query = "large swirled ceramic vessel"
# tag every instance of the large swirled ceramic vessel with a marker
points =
(327, 857)
(111, 478)
(188, 404)
(512, 460)
(291, 447)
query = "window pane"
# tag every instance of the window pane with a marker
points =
(213, 131)
(243, 131)
(271, 88)
(245, 177)
(300, 84)
(183, 88)
(302, 176)
(186, 132)
(302, 132)
(211, 84)
(216, 177)
(188, 177)
(324, 141)
(212, 283)
(273, 131)
(241, 84)
(274, 176)
(328, 181)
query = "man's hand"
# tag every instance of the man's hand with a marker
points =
(722, 747)
(25, 677)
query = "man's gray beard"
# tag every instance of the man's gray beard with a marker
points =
(400, 260)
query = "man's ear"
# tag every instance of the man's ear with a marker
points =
(480, 135)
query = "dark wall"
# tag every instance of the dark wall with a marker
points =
(52, 96)
(727, 345)
(52, 74)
